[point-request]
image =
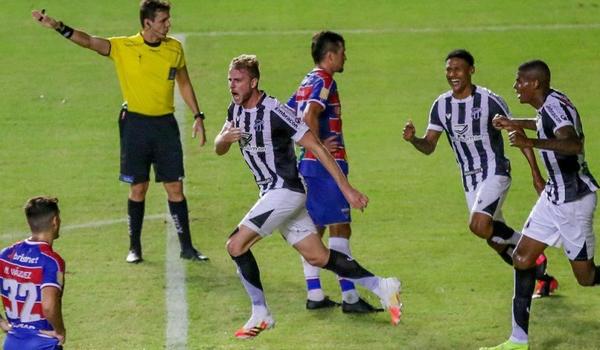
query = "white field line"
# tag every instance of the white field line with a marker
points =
(175, 294)
(475, 29)
(91, 224)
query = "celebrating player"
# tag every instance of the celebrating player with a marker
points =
(147, 66)
(563, 215)
(32, 282)
(317, 100)
(465, 114)
(265, 131)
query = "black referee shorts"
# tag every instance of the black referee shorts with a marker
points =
(146, 141)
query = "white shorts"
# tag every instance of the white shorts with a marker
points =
(489, 196)
(284, 210)
(568, 224)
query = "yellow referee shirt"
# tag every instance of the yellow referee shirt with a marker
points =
(147, 74)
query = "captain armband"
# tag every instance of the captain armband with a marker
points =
(64, 30)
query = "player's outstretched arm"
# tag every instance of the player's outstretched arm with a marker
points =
(355, 198)
(189, 97)
(52, 308)
(426, 144)
(100, 45)
(226, 137)
(509, 124)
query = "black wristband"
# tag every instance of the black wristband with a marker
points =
(64, 30)
(199, 115)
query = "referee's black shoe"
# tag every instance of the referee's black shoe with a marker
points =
(321, 304)
(193, 255)
(360, 307)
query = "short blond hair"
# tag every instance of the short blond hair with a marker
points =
(248, 63)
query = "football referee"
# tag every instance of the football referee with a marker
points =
(148, 64)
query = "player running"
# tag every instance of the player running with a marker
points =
(265, 131)
(465, 114)
(564, 213)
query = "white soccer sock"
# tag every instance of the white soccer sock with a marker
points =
(342, 245)
(311, 274)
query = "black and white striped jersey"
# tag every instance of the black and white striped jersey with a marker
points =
(269, 131)
(477, 145)
(568, 176)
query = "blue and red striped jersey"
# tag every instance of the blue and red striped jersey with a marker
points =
(318, 86)
(26, 268)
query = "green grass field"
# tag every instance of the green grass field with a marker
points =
(58, 135)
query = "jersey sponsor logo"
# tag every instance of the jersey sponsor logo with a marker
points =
(556, 112)
(324, 93)
(476, 113)
(60, 277)
(24, 258)
(460, 128)
(268, 180)
(473, 172)
(288, 115)
(172, 73)
(245, 140)
(254, 149)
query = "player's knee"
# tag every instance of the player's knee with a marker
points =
(585, 280)
(478, 228)
(317, 259)
(234, 248)
(137, 192)
(523, 261)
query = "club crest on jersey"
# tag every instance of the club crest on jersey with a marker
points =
(258, 125)
(476, 113)
(245, 140)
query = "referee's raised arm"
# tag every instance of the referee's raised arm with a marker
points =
(100, 45)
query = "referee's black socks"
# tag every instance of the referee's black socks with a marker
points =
(179, 213)
(135, 213)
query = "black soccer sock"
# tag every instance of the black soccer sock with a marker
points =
(597, 276)
(524, 286)
(345, 266)
(179, 213)
(135, 216)
(250, 275)
(502, 230)
(506, 254)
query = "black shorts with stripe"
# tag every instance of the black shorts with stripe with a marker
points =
(149, 140)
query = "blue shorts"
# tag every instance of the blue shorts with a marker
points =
(29, 341)
(325, 202)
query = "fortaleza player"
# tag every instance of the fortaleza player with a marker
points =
(265, 131)
(147, 65)
(32, 282)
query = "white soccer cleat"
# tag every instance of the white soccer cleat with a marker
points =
(133, 257)
(255, 325)
(389, 289)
